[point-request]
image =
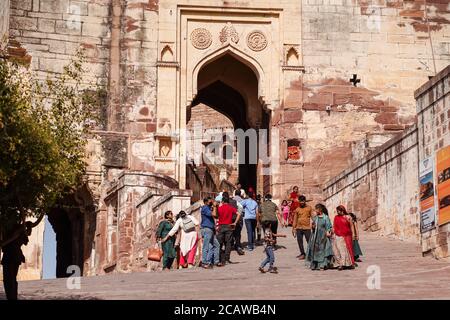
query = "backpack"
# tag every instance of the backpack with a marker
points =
(187, 224)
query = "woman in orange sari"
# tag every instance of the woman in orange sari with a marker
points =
(344, 235)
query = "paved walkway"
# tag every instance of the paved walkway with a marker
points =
(405, 274)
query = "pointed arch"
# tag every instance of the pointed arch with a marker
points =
(292, 57)
(167, 54)
(241, 56)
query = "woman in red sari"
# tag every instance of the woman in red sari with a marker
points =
(343, 241)
(293, 197)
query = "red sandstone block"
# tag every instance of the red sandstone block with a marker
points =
(342, 89)
(313, 107)
(393, 127)
(387, 118)
(292, 116)
(320, 98)
(412, 13)
(151, 127)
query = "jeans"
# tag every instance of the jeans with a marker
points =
(250, 225)
(300, 234)
(211, 247)
(270, 257)
(225, 237)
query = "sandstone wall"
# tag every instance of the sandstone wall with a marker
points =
(433, 109)
(386, 43)
(52, 31)
(382, 189)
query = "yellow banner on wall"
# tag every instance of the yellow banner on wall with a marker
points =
(443, 186)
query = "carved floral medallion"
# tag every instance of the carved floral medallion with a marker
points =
(256, 40)
(201, 38)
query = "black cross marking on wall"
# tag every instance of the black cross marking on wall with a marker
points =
(354, 80)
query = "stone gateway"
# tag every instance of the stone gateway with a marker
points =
(183, 74)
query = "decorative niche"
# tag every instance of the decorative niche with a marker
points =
(294, 154)
(292, 58)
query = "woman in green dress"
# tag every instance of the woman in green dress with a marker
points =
(168, 247)
(320, 251)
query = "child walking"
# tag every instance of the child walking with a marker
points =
(269, 242)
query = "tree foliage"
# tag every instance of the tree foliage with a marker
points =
(43, 127)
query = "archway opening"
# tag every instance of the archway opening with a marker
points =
(73, 222)
(228, 99)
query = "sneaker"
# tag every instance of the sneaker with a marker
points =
(261, 269)
(273, 270)
(207, 266)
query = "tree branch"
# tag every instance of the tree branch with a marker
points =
(34, 224)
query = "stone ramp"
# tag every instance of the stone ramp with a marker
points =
(405, 274)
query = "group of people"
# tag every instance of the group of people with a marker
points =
(329, 245)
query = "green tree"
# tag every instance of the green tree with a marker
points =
(43, 127)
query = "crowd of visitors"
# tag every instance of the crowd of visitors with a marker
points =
(322, 243)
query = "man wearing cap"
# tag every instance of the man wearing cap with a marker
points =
(301, 225)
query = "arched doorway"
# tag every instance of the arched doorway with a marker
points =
(230, 87)
(73, 222)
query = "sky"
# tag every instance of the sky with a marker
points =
(49, 255)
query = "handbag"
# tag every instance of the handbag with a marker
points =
(155, 253)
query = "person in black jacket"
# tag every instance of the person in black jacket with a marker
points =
(13, 257)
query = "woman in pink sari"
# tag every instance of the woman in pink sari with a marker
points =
(343, 241)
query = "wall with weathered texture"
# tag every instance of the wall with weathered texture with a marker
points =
(433, 109)
(382, 189)
(52, 31)
(386, 43)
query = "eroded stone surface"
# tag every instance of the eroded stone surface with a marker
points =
(302, 54)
